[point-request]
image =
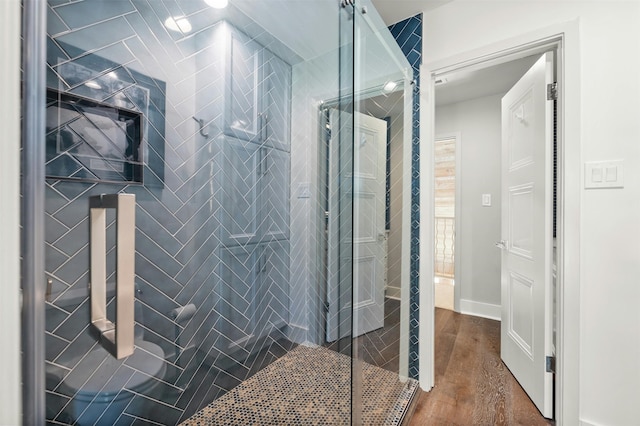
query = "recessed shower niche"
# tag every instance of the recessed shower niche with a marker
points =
(105, 121)
(88, 140)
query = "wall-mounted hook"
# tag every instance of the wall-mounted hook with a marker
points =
(200, 121)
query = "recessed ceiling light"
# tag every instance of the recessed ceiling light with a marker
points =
(217, 4)
(178, 24)
(389, 86)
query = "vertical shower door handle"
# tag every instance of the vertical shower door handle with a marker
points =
(265, 120)
(117, 338)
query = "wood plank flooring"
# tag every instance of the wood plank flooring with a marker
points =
(472, 385)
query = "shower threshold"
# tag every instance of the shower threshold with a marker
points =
(310, 386)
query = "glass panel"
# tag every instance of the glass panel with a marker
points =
(192, 109)
(258, 165)
(382, 139)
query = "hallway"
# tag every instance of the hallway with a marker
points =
(472, 385)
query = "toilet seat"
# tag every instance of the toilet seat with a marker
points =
(103, 370)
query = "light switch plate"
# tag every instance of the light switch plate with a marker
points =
(486, 200)
(303, 190)
(603, 174)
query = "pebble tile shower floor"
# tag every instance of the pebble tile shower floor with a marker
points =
(310, 386)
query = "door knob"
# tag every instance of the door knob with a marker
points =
(502, 244)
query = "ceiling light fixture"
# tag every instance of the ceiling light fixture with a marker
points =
(441, 80)
(217, 4)
(178, 24)
(389, 86)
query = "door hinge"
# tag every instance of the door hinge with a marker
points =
(551, 364)
(552, 91)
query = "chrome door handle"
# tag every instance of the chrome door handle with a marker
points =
(265, 161)
(502, 244)
(117, 338)
(262, 126)
(265, 125)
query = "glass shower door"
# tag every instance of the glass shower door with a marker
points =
(368, 129)
(382, 133)
(235, 130)
(188, 109)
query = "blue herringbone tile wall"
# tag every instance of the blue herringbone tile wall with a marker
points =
(408, 34)
(212, 210)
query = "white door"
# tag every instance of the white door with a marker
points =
(526, 330)
(356, 226)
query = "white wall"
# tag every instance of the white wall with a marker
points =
(10, 373)
(477, 121)
(603, 248)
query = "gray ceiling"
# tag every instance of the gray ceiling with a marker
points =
(497, 79)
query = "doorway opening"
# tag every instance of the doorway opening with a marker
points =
(380, 208)
(445, 166)
(469, 101)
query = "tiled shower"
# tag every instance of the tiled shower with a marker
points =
(211, 121)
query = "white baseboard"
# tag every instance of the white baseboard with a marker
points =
(393, 293)
(480, 309)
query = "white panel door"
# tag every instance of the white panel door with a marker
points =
(369, 261)
(526, 331)
(356, 248)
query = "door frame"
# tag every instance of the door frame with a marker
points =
(320, 276)
(564, 37)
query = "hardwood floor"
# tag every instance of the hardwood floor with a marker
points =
(472, 385)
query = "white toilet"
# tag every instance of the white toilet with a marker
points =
(97, 383)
